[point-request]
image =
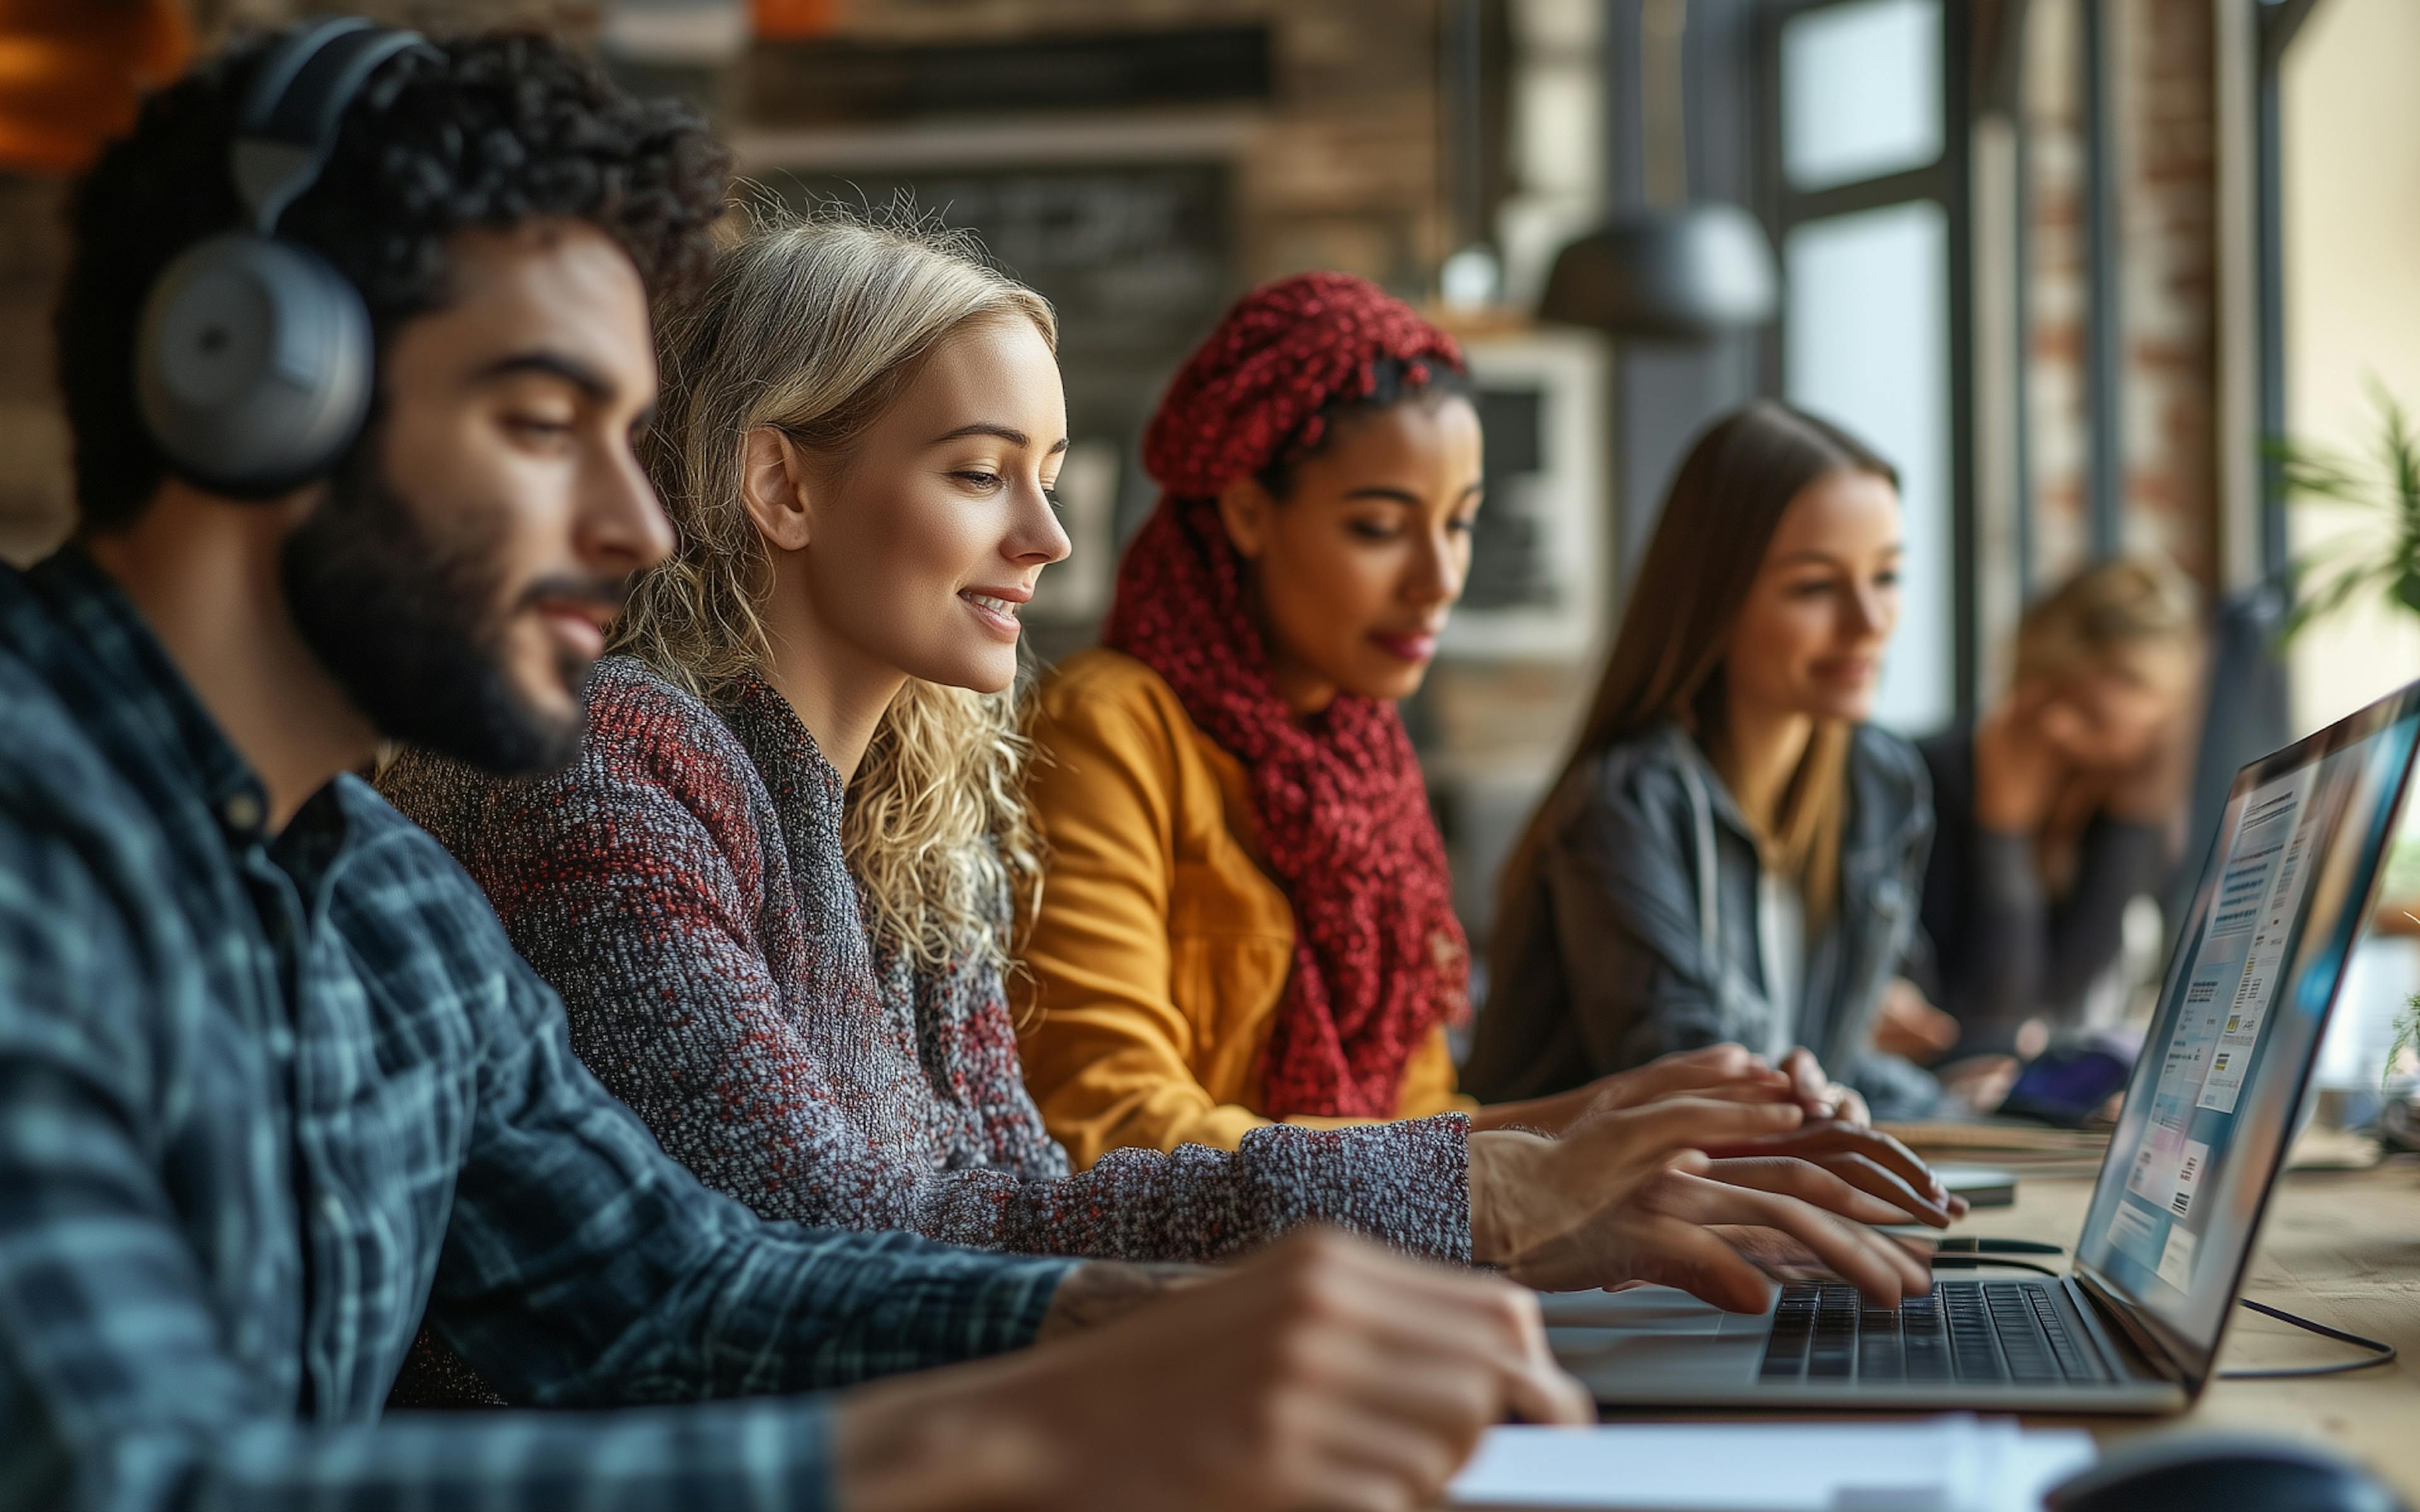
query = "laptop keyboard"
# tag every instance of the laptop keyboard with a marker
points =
(1999, 1333)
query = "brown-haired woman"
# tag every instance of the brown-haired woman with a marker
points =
(1732, 853)
(2060, 805)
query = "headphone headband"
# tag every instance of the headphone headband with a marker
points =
(287, 127)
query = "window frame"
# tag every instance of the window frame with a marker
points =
(2276, 23)
(1947, 182)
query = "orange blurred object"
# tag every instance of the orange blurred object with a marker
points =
(790, 21)
(72, 71)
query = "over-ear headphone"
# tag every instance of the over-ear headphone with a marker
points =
(253, 363)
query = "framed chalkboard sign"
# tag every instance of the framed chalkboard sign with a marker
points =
(836, 81)
(1136, 257)
(1539, 587)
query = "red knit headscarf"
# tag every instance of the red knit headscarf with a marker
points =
(1379, 957)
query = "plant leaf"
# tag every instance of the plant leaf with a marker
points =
(2407, 1036)
(2330, 574)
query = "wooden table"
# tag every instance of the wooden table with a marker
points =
(2338, 1247)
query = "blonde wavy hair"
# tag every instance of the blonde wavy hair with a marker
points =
(816, 325)
(2104, 611)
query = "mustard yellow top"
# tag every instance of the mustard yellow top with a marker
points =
(1160, 953)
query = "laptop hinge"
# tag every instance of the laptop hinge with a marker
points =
(2150, 1348)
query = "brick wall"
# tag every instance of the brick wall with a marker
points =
(2168, 284)
(2171, 282)
(1341, 168)
(2058, 436)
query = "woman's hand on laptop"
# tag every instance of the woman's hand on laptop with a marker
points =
(1724, 1072)
(1629, 1196)
(1907, 1025)
(1866, 1158)
(1678, 1230)
(1980, 1082)
(1784, 1259)
(1820, 1095)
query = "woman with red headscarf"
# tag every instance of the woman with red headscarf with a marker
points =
(1246, 915)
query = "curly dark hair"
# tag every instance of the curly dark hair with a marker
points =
(1392, 381)
(488, 131)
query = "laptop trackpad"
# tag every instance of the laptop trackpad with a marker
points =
(1651, 1343)
(1645, 1309)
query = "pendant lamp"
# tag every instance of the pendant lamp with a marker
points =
(1670, 269)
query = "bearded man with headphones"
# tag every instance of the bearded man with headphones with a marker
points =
(353, 345)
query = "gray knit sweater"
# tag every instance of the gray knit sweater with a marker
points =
(683, 887)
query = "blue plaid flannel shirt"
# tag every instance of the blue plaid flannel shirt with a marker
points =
(263, 1097)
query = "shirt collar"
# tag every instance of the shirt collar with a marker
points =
(778, 742)
(1877, 826)
(136, 694)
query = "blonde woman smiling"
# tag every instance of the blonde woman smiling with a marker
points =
(775, 890)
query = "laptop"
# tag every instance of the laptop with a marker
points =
(2208, 1112)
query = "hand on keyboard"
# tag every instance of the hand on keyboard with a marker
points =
(1866, 1159)
(1625, 1197)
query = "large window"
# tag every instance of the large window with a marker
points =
(1860, 92)
(2348, 307)
(2339, 128)
(1866, 194)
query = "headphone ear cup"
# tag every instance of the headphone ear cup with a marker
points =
(252, 366)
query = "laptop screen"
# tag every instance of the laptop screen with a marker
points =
(2212, 1101)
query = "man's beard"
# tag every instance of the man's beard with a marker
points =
(413, 630)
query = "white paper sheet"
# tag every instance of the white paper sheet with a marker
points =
(1955, 1463)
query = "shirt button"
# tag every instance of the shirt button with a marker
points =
(241, 811)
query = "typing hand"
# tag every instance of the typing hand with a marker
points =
(1981, 1082)
(1910, 1025)
(1818, 1095)
(1784, 1259)
(1866, 1158)
(1724, 1072)
(1629, 1196)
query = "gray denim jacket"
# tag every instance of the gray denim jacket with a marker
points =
(1650, 938)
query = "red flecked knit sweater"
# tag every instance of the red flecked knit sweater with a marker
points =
(683, 887)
